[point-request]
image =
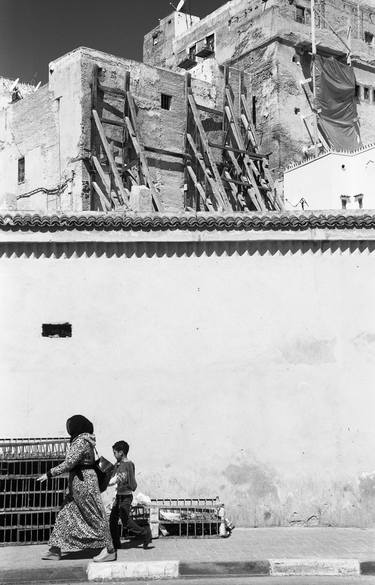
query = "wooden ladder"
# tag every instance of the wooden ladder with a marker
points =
(116, 178)
(321, 142)
(247, 173)
(201, 167)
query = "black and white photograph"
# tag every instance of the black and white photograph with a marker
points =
(187, 286)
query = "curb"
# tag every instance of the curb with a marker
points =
(174, 569)
(272, 567)
(49, 574)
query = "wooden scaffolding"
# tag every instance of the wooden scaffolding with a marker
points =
(229, 175)
(239, 178)
(114, 175)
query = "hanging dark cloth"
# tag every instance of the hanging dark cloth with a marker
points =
(335, 96)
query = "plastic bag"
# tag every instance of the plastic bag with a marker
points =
(108, 497)
(141, 500)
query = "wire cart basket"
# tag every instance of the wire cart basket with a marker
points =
(28, 508)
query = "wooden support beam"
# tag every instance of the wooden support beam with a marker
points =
(204, 140)
(206, 171)
(237, 195)
(106, 203)
(256, 196)
(105, 179)
(253, 138)
(212, 111)
(125, 112)
(142, 157)
(234, 162)
(200, 189)
(113, 122)
(250, 128)
(166, 152)
(237, 182)
(134, 139)
(251, 155)
(111, 90)
(123, 194)
(310, 100)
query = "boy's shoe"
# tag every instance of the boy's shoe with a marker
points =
(51, 555)
(148, 538)
(104, 556)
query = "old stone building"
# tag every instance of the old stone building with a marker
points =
(214, 139)
(48, 137)
(270, 41)
(104, 126)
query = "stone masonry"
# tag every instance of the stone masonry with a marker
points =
(47, 133)
(270, 41)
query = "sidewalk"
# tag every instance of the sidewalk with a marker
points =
(313, 551)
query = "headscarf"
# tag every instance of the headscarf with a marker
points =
(78, 424)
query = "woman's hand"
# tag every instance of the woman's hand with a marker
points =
(42, 478)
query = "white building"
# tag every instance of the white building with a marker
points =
(333, 180)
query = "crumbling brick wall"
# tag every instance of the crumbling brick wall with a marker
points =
(158, 128)
(28, 130)
(264, 40)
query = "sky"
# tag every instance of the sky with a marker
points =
(34, 32)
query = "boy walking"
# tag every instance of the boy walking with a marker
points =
(124, 476)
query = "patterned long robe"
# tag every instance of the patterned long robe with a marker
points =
(82, 523)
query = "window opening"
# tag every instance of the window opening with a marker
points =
(193, 52)
(21, 170)
(210, 42)
(166, 101)
(369, 37)
(155, 39)
(300, 14)
(344, 201)
(359, 199)
(366, 93)
(357, 91)
(56, 330)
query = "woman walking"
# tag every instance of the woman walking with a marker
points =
(82, 522)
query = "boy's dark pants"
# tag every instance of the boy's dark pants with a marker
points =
(121, 509)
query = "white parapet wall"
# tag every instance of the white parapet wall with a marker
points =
(237, 364)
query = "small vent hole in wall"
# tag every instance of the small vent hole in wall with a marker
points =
(56, 330)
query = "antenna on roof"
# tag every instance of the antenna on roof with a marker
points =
(180, 5)
(14, 84)
(15, 91)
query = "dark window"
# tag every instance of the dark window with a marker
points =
(344, 201)
(210, 42)
(366, 94)
(155, 39)
(21, 170)
(300, 14)
(373, 96)
(359, 199)
(193, 52)
(166, 101)
(56, 330)
(369, 37)
(357, 91)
